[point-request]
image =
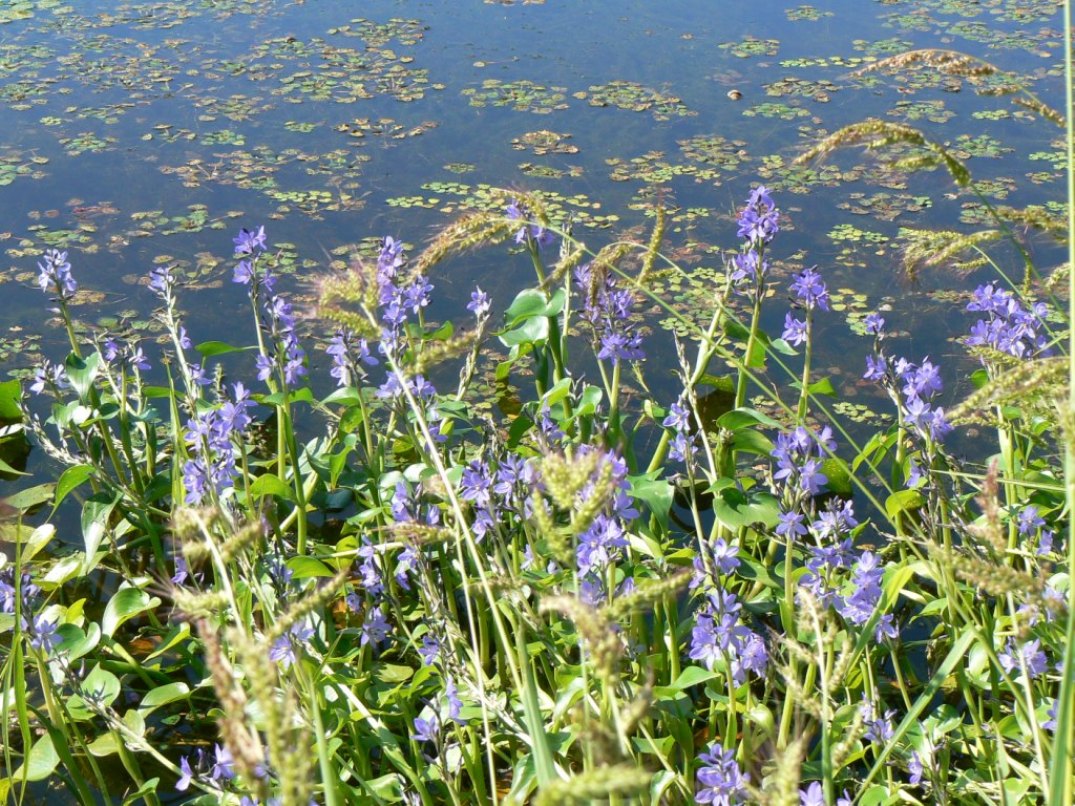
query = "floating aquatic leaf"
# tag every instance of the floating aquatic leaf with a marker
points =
(386, 128)
(806, 12)
(770, 109)
(712, 149)
(634, 97)
(817, 90)
(752, 46)
(522, 95)
(545, 142)
(933, 111)
(404, 31)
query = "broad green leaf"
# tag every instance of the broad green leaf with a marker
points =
(63, 570)
(736, 509)
(163, 695)
(822, 386)
(744, 418)
(10, 402)
(839, 480)
(692, 676)
(305, 567)
(74, 642)
(81, 372)
(208, 349)
(269, 484)
(126, 603)
(40, 763)
(95, 514)
(531, 331)
(303, 395)
(31, 497)
(657, 493)
(903, 501)
(175, 636)
(72, 478)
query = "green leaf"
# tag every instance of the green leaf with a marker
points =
(532, 331)
(72, 478)
(81, 372)
(839, 480)
(95, 514)
(10, 402)
(208, 349)
(743, 418)
(31, 497)
(305, 567)
(823, 386)
(655, 492)
(175, 636)
(269, 484)
(531, 303)
(751, 441)
(903, 501)
(303, 395)
(392, 673)
(40, 763)
(692, 676)
(736, 509)
(74, 643)
(163, 695)
(125, 604)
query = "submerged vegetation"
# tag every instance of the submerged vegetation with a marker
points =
(624, 539)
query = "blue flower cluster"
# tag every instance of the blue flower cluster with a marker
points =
(211, 436)
(720, 779)
(280, 316)
(607, 308)
(1009, 326)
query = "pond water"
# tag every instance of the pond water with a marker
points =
(144, 133)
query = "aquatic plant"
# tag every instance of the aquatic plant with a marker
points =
(591, 595)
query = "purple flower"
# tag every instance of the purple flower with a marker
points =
(283, 649)
(791, 525)
(186, 776)
(915, 768)
(247, 241)
(810, 290)
(1029, 654)
(531, 231)
(479, 303)
(759, 220)
(476, 483)
(454, 703)
(55, 275)
(224, 766)
(1029, 520)
(607, 309)
(429, 650)
(243, 273)
(1011, 326)
(426, 730)
(720, 780)
(878, 729)
(876, 367)
(794, 330)
(43, 633)
(161, 281)
(49, 375)
(813, 795)
(748, 267)
(375, 629)
(875, 324)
